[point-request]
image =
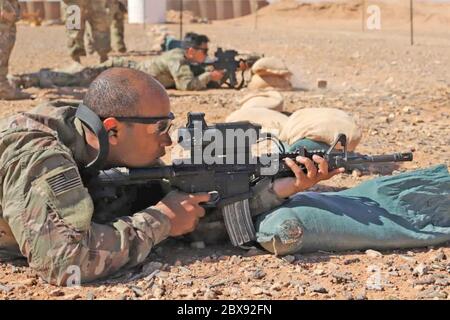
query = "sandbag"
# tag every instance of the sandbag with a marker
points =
(269, 82)
(408, 210)
(263, 99)
(270, 66)
(322, 125)
(271, 121)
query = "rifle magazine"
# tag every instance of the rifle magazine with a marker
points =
(238, 222)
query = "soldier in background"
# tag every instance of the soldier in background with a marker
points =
(98, 15)
(9, 14)
(118, 9)
(177, 68)
(118, 26)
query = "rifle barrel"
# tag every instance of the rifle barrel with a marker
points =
(395, 157)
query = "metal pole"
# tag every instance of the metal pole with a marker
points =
(363, 15)
(255, 5)
(181, 20)
(145, 15)
(412, 21)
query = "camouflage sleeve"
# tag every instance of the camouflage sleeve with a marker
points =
(264, 198)
(49, 212)
(184, 77)
(9, 11)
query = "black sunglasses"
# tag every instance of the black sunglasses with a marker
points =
(164, 122)
(145, 120)
(205, 50)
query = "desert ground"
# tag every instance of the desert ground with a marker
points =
(400, 95)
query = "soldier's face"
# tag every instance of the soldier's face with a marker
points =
(199, 54)
(142, 144)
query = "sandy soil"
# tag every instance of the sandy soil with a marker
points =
(399, 93)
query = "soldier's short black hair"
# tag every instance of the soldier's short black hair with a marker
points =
(194, 40)
(188, 36)
(115, 93)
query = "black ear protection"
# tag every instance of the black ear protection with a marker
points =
(93, 122)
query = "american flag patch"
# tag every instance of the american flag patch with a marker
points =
(65, 181)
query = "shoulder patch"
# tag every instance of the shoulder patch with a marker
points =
(65, 181)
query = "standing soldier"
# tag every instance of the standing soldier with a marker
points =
(117, 10)
(97, 14)
(9, 14)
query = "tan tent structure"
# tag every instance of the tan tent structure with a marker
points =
(208, 9)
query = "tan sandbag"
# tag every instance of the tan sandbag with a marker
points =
(321, 124)
(263, 99)
(270, 66)
(269, 82)
(270, 120)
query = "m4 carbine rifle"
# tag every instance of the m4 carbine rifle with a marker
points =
(230, 61)
(230, 184)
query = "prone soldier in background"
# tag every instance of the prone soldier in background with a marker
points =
(173, 69)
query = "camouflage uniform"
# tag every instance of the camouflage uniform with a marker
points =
(48, 215)
(171, 69)
(97, 14)
(48, 209)
(9, 14)
(117, 11)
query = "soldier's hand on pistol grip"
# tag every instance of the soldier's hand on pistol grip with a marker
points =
(183, 210)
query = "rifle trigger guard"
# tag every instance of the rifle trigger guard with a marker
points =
(214, 200)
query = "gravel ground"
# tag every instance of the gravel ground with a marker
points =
(399, 93)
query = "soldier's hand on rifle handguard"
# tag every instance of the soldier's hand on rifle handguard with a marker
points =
(286, 187)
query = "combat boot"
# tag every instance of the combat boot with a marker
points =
(24, 81)
(77, 54)
(75, 58)
(122, 49)
(103, 57)
(7, 92)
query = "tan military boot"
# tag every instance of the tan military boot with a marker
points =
(24, 80)
(103, 57)
(77, 54)
(121, 48)
(76, 58)
(7, 92)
